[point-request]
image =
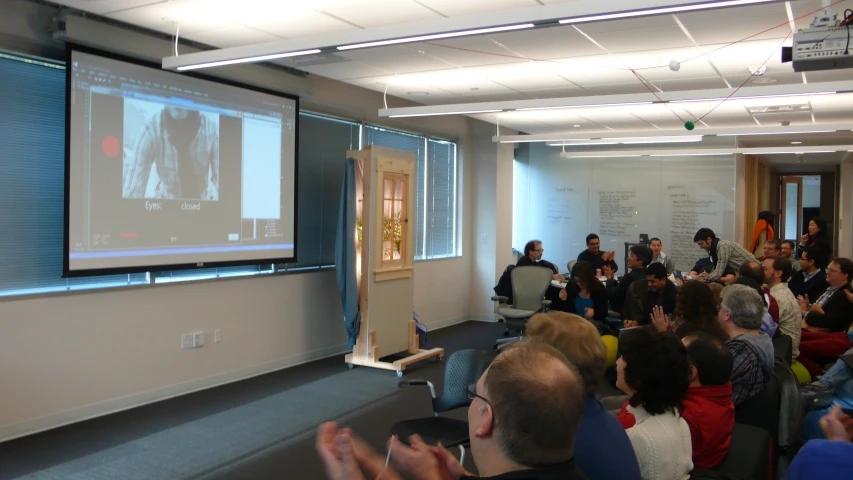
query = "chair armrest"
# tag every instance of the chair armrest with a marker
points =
(613, 314)
(546, 303)
(418, 382)
(501, 299)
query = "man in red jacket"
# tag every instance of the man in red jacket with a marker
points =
(708, 407)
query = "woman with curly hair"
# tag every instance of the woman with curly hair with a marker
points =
(654, 372)
(696, 311)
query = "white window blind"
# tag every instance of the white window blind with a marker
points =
(441, 191)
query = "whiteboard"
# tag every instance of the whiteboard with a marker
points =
(619, 199)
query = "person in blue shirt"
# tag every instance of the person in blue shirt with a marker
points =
(830, 459)
(837, 382)
(602, 448)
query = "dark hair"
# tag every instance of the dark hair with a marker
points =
(782, 264)
(766, 215)
(821, 224)
(752, 270)
(586, 276)
(815, 254)
(656, 269)
(653, 239)
(530, 246)
(845, 265)
(643, 253)
(591, 237)
(777, 244)
(711, 357)
(656, 368)
(696, 308)
(704, 234)
(753, 284)
(792, 244)
(537, 400)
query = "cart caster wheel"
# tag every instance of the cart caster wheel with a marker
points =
(399, 373)
(350, 366)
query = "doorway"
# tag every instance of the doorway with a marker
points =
(802, 197)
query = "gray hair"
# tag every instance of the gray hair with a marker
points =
(745, 305)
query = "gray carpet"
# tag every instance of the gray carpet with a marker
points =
(258, 428)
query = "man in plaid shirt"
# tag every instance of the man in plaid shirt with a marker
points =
(724, 253)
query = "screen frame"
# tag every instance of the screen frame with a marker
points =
(66, 271)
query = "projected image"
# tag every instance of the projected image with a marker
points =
(170, 152)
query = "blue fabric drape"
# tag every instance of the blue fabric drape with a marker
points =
(345, 254)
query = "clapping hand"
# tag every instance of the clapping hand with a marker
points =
(803, 300)
(588, 313)
(661, 320)
(630, 323)
(608, 256)
(345, 457)
(837, 425)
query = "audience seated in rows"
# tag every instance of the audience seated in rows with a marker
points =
(836, 383)
(708, 408)
(643, 295)
(789, 248)
(600, 438)
(740, 317)
(584, 295)
(595, 257)
(810, 280)
(659, 257)
(653, 372)
(724, 254)
(826, 322)
(523, 418)
(777, 271)
(639, 257)
(830, 459)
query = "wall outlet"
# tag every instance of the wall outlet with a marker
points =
(198, 339)
(186, 341)
(217, 335)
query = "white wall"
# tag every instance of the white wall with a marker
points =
(64, 358)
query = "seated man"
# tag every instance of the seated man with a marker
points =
(617, 290)
(659, 257)
(524, 414)
(724, 254)
(772, 248)
(600, 437)
(810, 280)
(708, 408)
(533, 256)
(595, 257)
(826, 322)
(788, 250)
(777, 271)
(740, 317)
(644, 295)
(755, 272)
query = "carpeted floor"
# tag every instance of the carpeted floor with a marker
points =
(261, 428)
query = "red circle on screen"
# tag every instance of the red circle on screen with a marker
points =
(110, 146)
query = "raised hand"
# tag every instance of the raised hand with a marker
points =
(836, 425)
(660, 320)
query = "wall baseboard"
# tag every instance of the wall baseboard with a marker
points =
(100, 409)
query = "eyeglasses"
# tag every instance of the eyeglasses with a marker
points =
(472, 393)
(539, 250)
(832, 270)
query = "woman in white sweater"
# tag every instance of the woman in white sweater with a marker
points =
(653, 371)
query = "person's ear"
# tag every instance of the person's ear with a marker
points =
(488, 426)
(694, 373)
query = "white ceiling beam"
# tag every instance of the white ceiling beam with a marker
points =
(686, 152)
(545, 14)
(771, 130)
(621, 99)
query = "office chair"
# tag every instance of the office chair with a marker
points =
(783, 347)
(461, 369)
(749, 454)
(529, 285)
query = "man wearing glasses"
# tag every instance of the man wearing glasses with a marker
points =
(533, 257)
(524, 414)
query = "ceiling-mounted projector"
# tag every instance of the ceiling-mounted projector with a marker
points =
(825, 45)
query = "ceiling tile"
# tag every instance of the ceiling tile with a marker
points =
(385, 12)
(163, 17)
(344, 71)
(567, 46)
(655, 21)
(304, 24)
(643, 39)
(232, 36)
(454, 8)
(410, 63)
(101, 7)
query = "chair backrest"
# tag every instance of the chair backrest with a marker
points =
(529, 284)
(790, 407)
(462, 368)
(762, 410)
(783, 346)
(748, 457)
(571, 265)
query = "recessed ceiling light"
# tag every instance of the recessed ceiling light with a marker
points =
(577, 126)
(418, 94)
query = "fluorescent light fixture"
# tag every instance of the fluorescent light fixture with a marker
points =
(248, 60)
(686, 154)
(628, 141)
(421, 38)
(592, 155)
(659, 11)
(751, 97)
(796, 143)
(749, 134)
(443, 113)
(537, 141)
(583, 106)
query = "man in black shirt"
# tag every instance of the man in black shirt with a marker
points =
(533, 256)
(643, 295)
(595, 257)
(639, 258)
(524, 415)
(811, 279)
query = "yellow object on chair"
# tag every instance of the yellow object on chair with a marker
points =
(612, 344)
(801, 372)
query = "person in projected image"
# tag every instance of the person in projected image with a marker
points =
(182, 146)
